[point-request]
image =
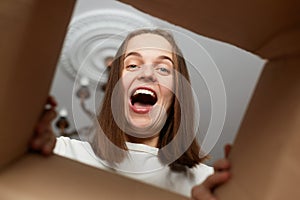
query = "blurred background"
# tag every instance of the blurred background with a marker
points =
(96, 31)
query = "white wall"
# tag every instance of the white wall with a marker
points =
(238, 69)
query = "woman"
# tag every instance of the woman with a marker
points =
(146, 121)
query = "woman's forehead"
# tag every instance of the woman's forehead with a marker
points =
(148, 41)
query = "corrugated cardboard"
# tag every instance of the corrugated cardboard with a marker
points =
(265, 156)
(32, 33)
(250, 25)
(36, 178)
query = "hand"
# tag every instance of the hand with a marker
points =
(221, 175)
(44, 139)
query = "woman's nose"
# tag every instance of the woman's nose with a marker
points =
(148, 73)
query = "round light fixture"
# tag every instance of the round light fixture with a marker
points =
(95, 36)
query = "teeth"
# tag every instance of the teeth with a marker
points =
(144, 91)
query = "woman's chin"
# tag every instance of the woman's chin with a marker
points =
(142, 128)
(140, 124)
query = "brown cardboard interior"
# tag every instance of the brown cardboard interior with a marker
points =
(34, 177)
(250, 25)
(265, 154)
(32, 34)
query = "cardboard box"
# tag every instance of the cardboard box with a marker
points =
(34, 177)
(265, 156)
(32, 34)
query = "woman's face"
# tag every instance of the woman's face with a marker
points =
(147, 78)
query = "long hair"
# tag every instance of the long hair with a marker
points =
(179, 123)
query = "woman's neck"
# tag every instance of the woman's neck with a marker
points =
(152, 141)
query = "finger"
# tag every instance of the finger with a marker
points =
(221, 165)
(48, 147)
(204, 191)
(200, 192)
(48, 114)
(51, 100)
(45, 121)
(45, 146)
(227, 150)
(39, 140)
(216, 179)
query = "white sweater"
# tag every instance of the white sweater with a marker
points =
(142, 164)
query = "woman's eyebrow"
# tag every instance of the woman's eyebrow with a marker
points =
(167, 58)
(133, 54)
(162, 57)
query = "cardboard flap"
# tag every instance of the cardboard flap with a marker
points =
(32, 34)
(35, 178)
(266, 152)
(249, 25)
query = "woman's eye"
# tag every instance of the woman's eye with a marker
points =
(163, 70)
(132, 67)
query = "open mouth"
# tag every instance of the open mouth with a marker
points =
(142, 99)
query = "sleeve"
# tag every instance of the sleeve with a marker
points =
(60, 146)
(202, 172)
(68, 148)
(76, 150)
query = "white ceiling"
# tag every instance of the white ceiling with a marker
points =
(212, 63)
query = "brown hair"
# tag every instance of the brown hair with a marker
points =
(179, 124)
